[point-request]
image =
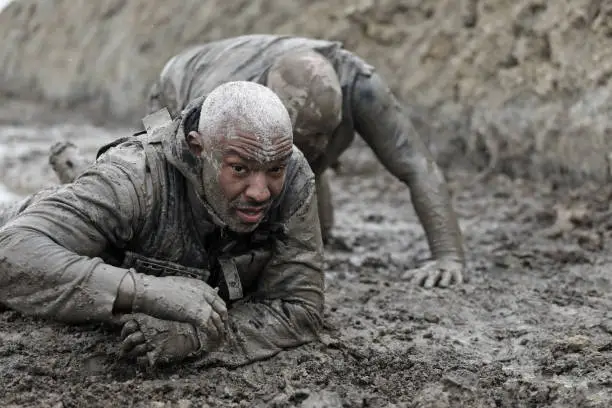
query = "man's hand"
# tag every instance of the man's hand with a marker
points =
(180, 299)
(441, 272)
(162, 341)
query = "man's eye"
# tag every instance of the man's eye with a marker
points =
(238, 169)
(276, 170)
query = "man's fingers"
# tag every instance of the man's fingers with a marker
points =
(420, 276)
(458, 277)
(219, 307)
(218, 323)
(132, 341)
(431, 280)
(215, 301)
(212, 331)
(435, 274)
(202, 324)
(447, 278)
(412, 275)
(129, 327)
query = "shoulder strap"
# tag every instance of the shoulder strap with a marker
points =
(155, 124)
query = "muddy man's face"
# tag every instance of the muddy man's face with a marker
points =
(243, 174)
(250, 177)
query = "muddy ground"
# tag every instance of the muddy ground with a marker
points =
(532, 328)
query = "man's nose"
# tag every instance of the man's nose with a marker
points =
(258, 190)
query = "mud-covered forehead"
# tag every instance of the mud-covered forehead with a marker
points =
(260, 148)
(248, 117)
(308, 85)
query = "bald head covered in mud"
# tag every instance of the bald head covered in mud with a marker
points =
(199, 238)
(308, 85)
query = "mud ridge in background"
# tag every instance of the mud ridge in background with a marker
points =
(524, 81)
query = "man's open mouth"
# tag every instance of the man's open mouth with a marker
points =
(251, 215)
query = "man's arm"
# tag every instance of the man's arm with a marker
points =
(49, 264)
(11, 210)
(286, 310)
(382, 123)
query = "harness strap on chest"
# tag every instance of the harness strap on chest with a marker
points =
(158, 267)
(232, 278)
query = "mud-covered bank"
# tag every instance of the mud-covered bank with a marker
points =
(523, 84)
(533, 327)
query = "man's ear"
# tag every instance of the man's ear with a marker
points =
(195, 142)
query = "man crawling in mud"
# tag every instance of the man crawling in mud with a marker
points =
(200, 237)
(330, 94)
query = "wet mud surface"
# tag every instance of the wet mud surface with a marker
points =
(532, 327)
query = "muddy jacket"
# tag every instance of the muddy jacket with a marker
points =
(133, 209)
(369, 108)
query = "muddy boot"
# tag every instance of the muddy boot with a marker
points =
(67, 161)
(325, 206)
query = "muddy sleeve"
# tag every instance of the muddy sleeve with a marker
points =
(386, 128)
(8, 211)
(286, 310)
(49, 253)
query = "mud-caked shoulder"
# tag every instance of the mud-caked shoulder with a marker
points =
(141, 167)
(299, 185)
(138, 161)
(128, 153)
